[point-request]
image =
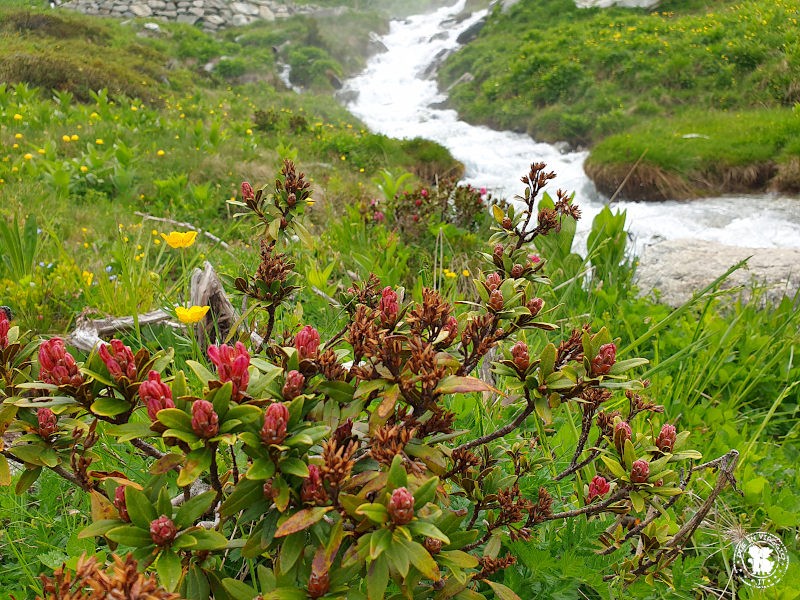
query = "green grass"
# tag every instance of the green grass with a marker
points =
(562, 73)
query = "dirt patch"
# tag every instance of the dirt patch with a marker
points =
(650, 182)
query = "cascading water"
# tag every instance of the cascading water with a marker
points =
(393, 96)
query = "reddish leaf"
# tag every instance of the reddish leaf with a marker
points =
(302, 519)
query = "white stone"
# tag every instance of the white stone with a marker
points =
(215, 20)
(244, 9)
(141, 10)
(240, 20)
(266, 14)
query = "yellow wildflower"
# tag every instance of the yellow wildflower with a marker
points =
(18, 136)
(449, 274)
(41, 150)
(249, 132)
(18, 117)
(192, 314)
(84, 169)
(74, 137)
(99, 141)
(28, 156)
(465, 273)
(160, 153)
(65, 138)
(88, 277)
(180, 239)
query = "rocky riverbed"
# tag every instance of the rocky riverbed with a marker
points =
(677, 268)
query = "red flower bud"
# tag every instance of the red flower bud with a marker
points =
(534, 258)
(517, 270)
(5, 326)
(666, 438)
(640, 471)
(622, 432)
(205, 422)
(57, 365)
(401, 506)
(120, 505)
(293, 387)
(432, 545)
(493, 281)
(343, 432)
(118, 359)
(415, 218)
(452, 327)
(507, 224)
(535, 305)
(247, 191)
(275, 420)
(232, 363)
(155, 394)
(496, 301)
(598, 486)
(388, 306)
(417, 202)
(313, 491)
(307, 342)
(520, 356)
(291, 200)
(497, 253)
(424, 193)
(269, 490)
(48, 422)
(318, 584)
(605, 359)
(162, 531)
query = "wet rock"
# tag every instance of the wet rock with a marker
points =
(678, 268)
(471, 32)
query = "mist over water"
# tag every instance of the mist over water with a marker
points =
(393, 96)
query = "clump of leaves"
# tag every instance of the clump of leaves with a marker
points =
(305, 467)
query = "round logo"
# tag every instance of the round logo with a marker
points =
(761, 559)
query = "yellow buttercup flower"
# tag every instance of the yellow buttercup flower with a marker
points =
(192, 314)
(160, 153)
(180, 239)
(88, 277)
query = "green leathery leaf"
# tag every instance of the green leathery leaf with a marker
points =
(140, 510)
(301, 520)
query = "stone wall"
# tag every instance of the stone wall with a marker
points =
(208, 14)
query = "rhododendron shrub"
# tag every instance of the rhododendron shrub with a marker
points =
(297, 465)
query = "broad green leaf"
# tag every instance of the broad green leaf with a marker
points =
(238, 590)
(129, 431)
(626, 365)
(261, 469)
(425, 529)
(302, 519)
(27, 479)
(422, 560)
(193, 509)
(208, 539)
(197, 584)
(245, 493)
(140, 510)
(547, 360)
(130, 535)
(203, 374)
(637, 500)
(175, 418)
(397, 474)
(502, 592)
(99, 528)
(375, 512)
(197, 461)
(613, 466)
(425, 492)
(110, 407)
(379, 541)
(377, 579)
(628, 454)
(294, 466)
(457, 558)
(291, 549)
(397, 556)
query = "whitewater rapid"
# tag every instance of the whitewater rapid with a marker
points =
(394, 96)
